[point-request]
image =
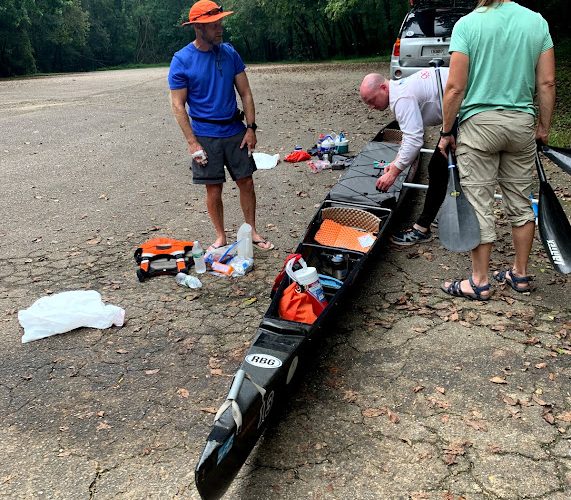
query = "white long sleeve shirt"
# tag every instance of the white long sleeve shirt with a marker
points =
(415, 103)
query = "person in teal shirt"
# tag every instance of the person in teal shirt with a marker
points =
(501, 56)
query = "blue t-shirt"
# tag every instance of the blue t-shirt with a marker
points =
(209, 80)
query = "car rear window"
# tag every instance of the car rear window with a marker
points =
(431, 23)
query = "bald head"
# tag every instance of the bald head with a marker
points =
(374, 91)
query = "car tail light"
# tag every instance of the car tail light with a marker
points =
(396, 48)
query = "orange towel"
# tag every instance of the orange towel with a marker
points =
(333, 234)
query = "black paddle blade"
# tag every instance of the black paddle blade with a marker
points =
(458, 226)
(554, 229)
(560, 156)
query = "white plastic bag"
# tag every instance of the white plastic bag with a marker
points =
(66, 311)
(265, 161)
(241, 265)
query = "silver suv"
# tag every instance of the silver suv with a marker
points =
(425, 34)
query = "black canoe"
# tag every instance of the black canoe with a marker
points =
(278, 350)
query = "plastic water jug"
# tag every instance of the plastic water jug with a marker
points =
(307, 278)
(245, 245)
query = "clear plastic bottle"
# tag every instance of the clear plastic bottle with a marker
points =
(198, 257)
(245, 245)
(188, 280)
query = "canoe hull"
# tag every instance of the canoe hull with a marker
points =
(280, 348)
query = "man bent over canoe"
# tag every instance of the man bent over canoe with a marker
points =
(416, 104)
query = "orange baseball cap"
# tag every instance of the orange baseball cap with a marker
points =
(205, 11)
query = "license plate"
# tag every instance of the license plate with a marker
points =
(434, 51)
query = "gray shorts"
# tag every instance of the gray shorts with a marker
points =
(223, 151)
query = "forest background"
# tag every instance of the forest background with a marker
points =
(83, 35)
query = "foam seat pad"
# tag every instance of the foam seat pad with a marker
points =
(333, 234)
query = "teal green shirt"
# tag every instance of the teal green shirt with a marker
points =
(504, 42)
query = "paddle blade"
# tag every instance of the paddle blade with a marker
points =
(458, 226)
(554, 229)
(560, 156)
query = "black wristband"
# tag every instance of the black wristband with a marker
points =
(445, 134)
(253, 126)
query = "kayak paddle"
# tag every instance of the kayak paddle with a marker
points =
(560, 156)
(554, 227)
(458, 226)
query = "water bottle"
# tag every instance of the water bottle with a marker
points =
(534, 207)
(187, 280)
(245, 245)
(198, 257)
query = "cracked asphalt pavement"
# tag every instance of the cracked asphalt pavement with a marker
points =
(412, 394)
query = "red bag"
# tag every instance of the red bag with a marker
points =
(297, 156)
(299, 306)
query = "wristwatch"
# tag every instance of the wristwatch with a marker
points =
(253, 126)
(445, 134)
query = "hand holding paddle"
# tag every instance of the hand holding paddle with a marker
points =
(458, 226)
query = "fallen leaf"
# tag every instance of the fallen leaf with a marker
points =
(250, 301)
(441, 390)
(541, 365)
(511, 401)
(209, 409)
(182, 392)
(213, 362)
(498, 328)
(100, 413)
(350, 396)
(498, 380)
(494, 448)
(565, 417)
(393, 417)
(373, 412)
(438, 402)
(103, 425)
(548, 416)
(539, 401)
(479, 426)
(152, 372)
(121, 351)
(418, 388)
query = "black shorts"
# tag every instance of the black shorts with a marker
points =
(223, 151)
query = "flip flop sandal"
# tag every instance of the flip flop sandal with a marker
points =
(512, 280)
(455, 290)
(259, 244)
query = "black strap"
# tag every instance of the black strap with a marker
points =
(238, 117)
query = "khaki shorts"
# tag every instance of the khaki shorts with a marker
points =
(497, 147)
(223, 151)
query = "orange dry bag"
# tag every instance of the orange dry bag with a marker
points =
(300, 306)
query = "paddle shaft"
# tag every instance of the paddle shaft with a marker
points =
(424, 187)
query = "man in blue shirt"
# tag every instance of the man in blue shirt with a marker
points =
(203, 76)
